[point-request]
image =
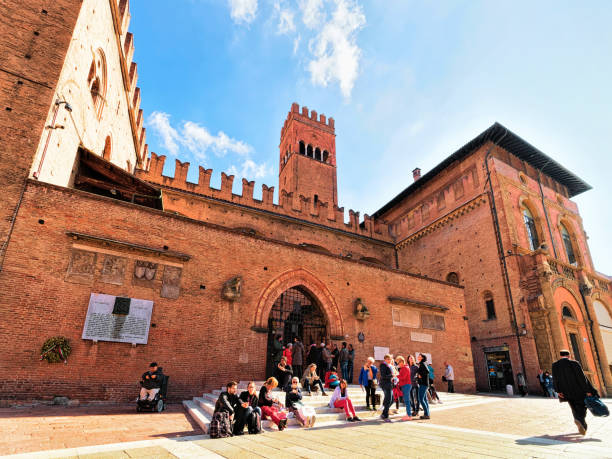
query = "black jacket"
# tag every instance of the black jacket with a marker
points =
(226, 403)
(252, 400)
(569, 379)
(423, 374)
(152, 380)
(263, 397)
(385, 376)
(291, 398)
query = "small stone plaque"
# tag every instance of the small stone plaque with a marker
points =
(171, 283)
(82, 266)
(421, 337)
(144, 273)
(243, 357)
(433, 321)
(113, 269)
(101, 324)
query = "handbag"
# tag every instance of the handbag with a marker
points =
(596, 406)
(377, 399)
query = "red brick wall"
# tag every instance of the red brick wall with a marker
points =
(33, 44)
(198, 336)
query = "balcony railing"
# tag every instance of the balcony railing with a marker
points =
(571, 272)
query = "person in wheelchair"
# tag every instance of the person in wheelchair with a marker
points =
(151, 382)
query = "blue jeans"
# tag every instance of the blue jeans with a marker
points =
(344, 368)
(423, 399)
(406, 391)
(388, 391)
(414, 398)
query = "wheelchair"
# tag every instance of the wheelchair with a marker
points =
(159, 402)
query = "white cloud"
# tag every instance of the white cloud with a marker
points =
(335, 51)
(296, 44)
(243, 11)
(160, 123)
(313, 13)
(194, 137)
(285, 19)
(251, 170)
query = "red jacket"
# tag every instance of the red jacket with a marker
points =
(287, 353)
(404, 376)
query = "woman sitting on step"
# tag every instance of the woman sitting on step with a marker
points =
(305, 415)
(270, 406)
(340, 399)
(310, 379)
(248, 411)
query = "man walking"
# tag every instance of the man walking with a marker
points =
(572, 386)
(344, 358)
(449, 377)
(297, 352)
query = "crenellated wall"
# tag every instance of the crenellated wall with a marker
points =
(289, 204)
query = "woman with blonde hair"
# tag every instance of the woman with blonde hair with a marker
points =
(270, 406)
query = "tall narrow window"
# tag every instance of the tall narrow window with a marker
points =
(569, 248)
(96, 79)
(490, 305)
(317, 154)
(575, 347)
(302, 148)
(309, 151)
(530, 226)
(106, 154)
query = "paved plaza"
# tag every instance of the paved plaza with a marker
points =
(481, 426)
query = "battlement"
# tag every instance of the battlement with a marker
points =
(327, 124)
(289, 204)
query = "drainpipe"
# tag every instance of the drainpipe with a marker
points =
(552, 240)
(500, 247)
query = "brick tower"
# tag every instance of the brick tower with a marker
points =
(308, 156)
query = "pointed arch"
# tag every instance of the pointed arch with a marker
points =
(308, 281)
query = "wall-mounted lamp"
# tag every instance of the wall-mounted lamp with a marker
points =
(60, 102)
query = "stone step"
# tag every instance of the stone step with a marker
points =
(199, 415)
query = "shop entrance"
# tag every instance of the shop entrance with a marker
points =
(499, 368)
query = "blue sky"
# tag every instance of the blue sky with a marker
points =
(408, 82)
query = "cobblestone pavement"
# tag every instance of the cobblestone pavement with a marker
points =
(503, 427)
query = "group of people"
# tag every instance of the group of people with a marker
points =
(295, 356)
(546, 383)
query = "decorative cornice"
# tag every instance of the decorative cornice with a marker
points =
(417, 303)
(442, 221)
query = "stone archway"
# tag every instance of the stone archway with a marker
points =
(310, 283)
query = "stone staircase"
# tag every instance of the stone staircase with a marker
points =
(201, 408)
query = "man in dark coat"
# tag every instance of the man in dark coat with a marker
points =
(572, 386)
(297, 352)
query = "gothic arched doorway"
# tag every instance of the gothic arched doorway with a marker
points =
(295, 313)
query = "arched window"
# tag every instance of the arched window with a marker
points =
(567, 242)
(490, 305)
(567, 313)
(309, 151)
(302, 148)
(106, 154)
(317, 154)
(316, 198)
(96, 79)
(453, 278)
(530, 226)
(325, 156)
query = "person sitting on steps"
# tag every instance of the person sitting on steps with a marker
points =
(331, 378)
(247, 411)
(283, 373)
(270, 406)
(310, 379)
(293, 401)
(340, 399)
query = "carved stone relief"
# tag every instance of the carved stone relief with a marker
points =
(144, 273)
(232, 289)
(171, 282)
(82, 267)
(113, 269)
(361, 311)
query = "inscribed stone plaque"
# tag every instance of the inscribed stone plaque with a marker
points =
(113, 269)
(379, 352)
(102, 325)
(144, 273)
(405, 317)
(433, 321)
(243, 357)
(82, 267)
(421, 337)
(171, 282)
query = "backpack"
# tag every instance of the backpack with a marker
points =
(220, 425)
(254, 423)
(596, 406)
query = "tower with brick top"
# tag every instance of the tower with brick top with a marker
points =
(308, 156)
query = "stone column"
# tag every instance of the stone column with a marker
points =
(545, 274)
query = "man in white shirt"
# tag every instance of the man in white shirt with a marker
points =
(449, 377)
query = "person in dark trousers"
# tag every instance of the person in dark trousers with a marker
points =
(367, 381)
(414, 390)
(449, 377)
(277, 349)
(151, 382)
(343, 358)
(423, 379)
(335, 355)
(297, 352)
(351, 361)
(246, 410)
(542, 383)
(387, 376)
(520, 382)
(228, 400)
(572, 386)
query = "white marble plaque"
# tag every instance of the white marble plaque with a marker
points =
(102, 325)
(380, 352)
(421, 337)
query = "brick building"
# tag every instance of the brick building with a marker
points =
(87, 212)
